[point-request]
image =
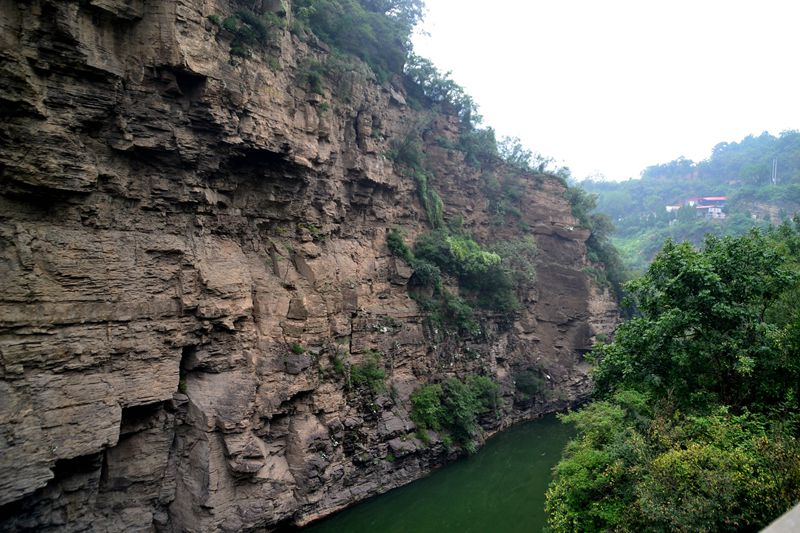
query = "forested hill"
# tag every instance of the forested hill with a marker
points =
(758, 176)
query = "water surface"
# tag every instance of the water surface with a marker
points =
(500, 490)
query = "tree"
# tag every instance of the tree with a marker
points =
(701, 333)
(695, 424)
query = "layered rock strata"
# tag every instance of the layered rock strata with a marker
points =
(189, 240)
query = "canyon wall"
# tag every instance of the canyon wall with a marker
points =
(189, 242)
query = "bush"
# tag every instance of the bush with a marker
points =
(425, 83)
(519, 261)
(248, 30)
(397, 246)
(476, 268)
(454, 406)
(408, 151)
(430, 199)
(312, 73)
(426, 407)
(297, 349)
(338, 364)
(253, 28)
(486, 391)
(529, 383)
(377, 32)
(479, 147)
(230, 24)
(370, 373)
(426, 275)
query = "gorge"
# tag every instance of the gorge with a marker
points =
(193, 259)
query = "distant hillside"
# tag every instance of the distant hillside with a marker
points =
(759, 178)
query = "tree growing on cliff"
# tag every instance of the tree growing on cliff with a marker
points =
(377, 31)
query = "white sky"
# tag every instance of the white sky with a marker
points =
(613, 86)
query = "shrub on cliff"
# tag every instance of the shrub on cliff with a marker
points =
(426, 83)
(476, 268)
(377, 31)
(454, 407)
(369, 373)
(518, 261)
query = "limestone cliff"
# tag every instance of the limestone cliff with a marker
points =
(175, 220)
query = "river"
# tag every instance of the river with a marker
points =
(499, 489)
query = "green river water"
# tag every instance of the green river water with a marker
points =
(498, 490)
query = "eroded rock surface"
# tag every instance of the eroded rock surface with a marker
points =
(190, 240)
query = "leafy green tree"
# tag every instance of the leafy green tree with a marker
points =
(696, 417)
(454, 407)
(701, 333)
(377, 31)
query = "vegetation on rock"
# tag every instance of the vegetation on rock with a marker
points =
(369, 373)
(453, 407)
(376, 31)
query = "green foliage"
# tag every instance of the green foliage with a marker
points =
(425, 83)
(431, 201)
(230, 24)
(338, 364)
(297, 349)
(426, 275)
(313, 73)
(702, 332)
(479, 146)
(582, 203)
(512, 151)
(485, 391)
(518, 260)
(375, 31)
(529, 383)
(468, 258)
(240, 51)
(631, 469)
(454, 407)
(477, 269)
(504, 197)
(447, 309)
(741, 171)
(369, 373)
(397, 246)
(407, 151)
(248, 29)
(443, 308)
(253, 29)
(696, 419)
(426, 407)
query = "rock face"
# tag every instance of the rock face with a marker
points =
(189, 241)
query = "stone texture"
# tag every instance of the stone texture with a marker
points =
(172, 221)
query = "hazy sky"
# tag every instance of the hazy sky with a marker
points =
(613, 86)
